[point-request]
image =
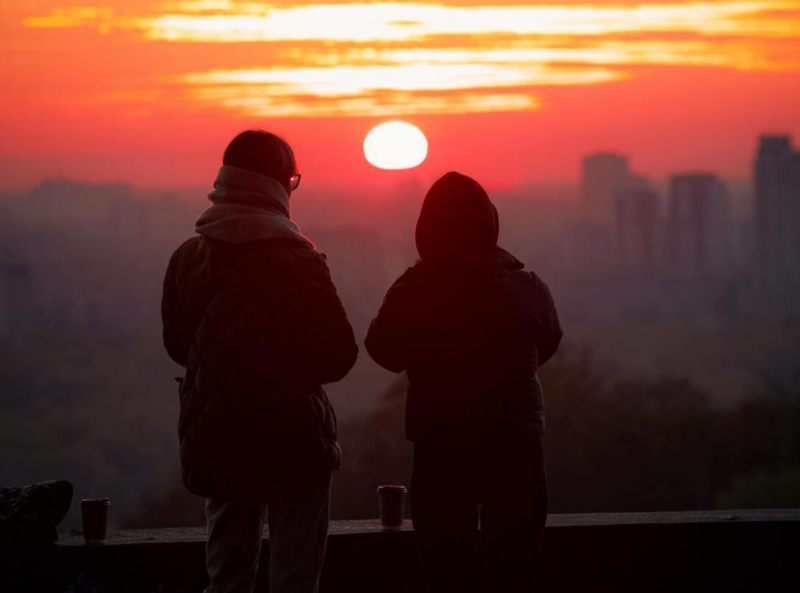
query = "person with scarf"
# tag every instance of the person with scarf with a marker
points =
(250, 311)
(471, 327)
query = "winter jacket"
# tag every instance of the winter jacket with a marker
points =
(259, 327)
(468, 324)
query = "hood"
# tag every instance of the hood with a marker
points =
(457, 218)
(245, 207)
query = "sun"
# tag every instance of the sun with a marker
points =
(395, 145)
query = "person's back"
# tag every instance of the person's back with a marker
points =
(471, 328)
(472, 368)
(250, 310)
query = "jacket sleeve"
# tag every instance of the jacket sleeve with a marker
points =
(176, 333)
(391, 334)
(324, 332)
(550, 332)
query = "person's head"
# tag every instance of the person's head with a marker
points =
(265, 153)
(457, 217)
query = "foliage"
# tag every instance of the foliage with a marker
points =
(763, 490)
(613, 445)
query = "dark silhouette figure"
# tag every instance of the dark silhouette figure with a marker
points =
(471, 328)
(250, 310)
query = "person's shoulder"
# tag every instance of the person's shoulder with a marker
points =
(191, 244)
(187, 251)
(526, 282)
(411, 275)
(297, 258)
(306, 254)
(281, 251)
(533, 279)
(418, 276)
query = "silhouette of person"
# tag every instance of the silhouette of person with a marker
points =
(471, 327)
(250, 310)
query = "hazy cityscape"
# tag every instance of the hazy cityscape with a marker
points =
(694, 277)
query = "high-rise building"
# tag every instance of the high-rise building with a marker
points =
(699, 226)
(777, 212)
(637, 229)
(604, 176)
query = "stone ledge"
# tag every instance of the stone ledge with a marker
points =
(372, 526)
(727, 551)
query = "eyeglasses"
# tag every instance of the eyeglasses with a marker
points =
(294, 181)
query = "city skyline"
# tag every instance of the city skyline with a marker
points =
(617, 218)
(420, 177)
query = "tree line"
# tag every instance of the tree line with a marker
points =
(613, 445)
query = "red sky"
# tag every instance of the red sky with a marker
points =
(513, 91)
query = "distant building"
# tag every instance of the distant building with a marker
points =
(15, 299)
(637, 230)
(777, 212)
(699, 226)
(590, 250)
(605, 175)
(83, 207)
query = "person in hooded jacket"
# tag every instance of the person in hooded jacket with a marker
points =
(249, 309)
(471, 327)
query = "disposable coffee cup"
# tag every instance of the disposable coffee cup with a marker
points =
(391, 501)
(94, 514)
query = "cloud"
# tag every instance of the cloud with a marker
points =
(394, 58)
(390, 21)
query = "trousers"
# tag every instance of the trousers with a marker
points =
(479, 512)
(298, 532)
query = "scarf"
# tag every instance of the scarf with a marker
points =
(247, 206)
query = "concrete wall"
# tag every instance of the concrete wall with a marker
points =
(720, 551)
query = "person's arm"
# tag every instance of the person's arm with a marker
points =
(550, 332)
(324, 332)
(391, 336)
(176, 334)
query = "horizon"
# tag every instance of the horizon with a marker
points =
(397, 179)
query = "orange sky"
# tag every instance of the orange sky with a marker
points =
(149, 92)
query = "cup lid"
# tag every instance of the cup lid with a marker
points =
(390, 487)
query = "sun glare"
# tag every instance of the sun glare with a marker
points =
(395, 145)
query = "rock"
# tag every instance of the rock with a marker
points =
(30, 514)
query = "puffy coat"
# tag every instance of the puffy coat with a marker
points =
(259, 328)
(468, 324)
